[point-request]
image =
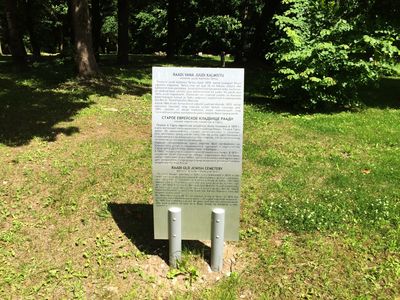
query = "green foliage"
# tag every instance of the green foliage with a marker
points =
(218, 33)
(324, 56)
(184, 268)
(150, 32)
(110, 27)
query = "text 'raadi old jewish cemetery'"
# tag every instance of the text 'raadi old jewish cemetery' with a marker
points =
(197, 148)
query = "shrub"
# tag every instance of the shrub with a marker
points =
(324, 55)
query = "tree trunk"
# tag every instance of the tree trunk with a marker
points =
(171, 37)
(69, 25)
(96, 18)
(84, 57)
(222, 56)
(261, 40)
(241, 44)
(61, 45)
(123, 32)
(32, 29)
(15, 38)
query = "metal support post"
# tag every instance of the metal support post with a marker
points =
(174, 235)
(217, 239)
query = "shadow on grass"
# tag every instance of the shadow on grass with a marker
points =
(111, 87)
(26, 112)
(34, 100)
(258, 92)
(136, 222)
(385, 96)
(149, 60)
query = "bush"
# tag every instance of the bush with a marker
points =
(324, 55)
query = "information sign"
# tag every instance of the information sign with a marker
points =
(197, 128)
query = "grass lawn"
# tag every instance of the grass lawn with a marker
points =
(320, 212)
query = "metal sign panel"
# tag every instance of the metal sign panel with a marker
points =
(197, 125)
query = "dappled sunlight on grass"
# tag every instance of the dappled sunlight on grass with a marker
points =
(320, 214)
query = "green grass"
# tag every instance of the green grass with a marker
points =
(320, 199)
(348, 176)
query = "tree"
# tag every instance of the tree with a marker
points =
(262, 39)
(172, 28)
(32, 12)
(149, 31)
(14, 32)
(3, 29)
(84, 56)
(69, 21)
(123, 32)
(217, 34)
(96, 28)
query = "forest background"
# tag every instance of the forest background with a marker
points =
(321, 53)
